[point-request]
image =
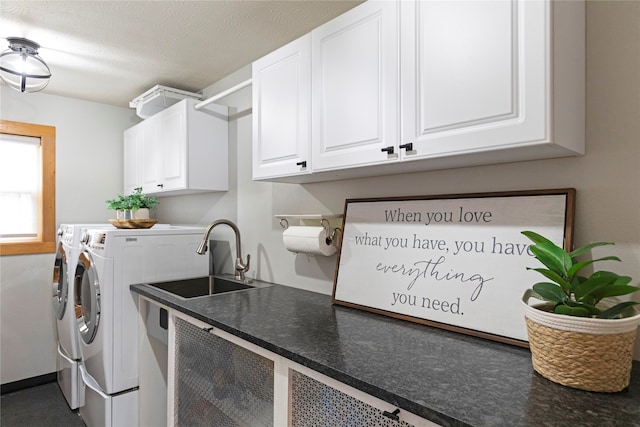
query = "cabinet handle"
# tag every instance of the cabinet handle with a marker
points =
(160, 185)
(388, 150)
(408, 146)
(303, 164)
(392, 415)
(164, 319)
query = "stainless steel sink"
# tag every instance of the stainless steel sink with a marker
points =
(204, 286)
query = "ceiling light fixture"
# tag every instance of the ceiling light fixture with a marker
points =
(21, 68)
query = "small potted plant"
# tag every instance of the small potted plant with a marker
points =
(133, 206)
(119, 205)
(581, 335)
(140, 204)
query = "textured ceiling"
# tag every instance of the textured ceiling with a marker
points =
(113, 51)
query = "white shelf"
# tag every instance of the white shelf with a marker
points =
(159, 98)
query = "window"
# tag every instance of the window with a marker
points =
(27, 188)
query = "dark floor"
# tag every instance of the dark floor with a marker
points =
(40, 406)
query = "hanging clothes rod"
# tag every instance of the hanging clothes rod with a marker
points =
(222, 94)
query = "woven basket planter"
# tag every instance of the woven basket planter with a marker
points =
(583, 353)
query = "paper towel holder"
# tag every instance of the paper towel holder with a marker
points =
(325, 221)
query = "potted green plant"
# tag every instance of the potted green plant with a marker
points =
(581, 335)
(119, 205)
(132, 206)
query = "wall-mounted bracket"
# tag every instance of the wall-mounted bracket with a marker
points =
(330, 222)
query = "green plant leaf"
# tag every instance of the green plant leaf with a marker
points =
(571, 311)
(604, 284)
(623, 280)
(575, 283)
(592, 309)
(535, 237)
(586, 248)
(577, 266)
(624, 309)
(590, 300)
(580, 265)
(614, 291)
(553, 257)
(550, 292)
(535, 295)
(555, 277)
(594, 283)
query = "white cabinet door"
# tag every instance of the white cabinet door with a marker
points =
(142, 157)
(150, 155)
(282, 111)
(216, 381)
(164, 143)
(355, 87)
(172, 144)
(315, 399)
(132, 158)
(476, 77)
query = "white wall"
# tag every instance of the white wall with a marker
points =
(88, 171)
(607, 181)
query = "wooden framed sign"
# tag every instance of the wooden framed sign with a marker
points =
(453, 261)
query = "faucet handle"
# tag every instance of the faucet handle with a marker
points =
(243, 267)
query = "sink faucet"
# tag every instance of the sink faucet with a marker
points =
(241, 267)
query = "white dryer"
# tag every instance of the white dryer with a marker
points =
(111, 261)
(68, 359)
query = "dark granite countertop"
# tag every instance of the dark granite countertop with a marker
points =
(449, 378)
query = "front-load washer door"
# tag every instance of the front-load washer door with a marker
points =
(60, 282)
(87, 294)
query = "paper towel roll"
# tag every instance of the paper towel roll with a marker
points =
(308, 240)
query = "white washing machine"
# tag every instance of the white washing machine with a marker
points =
(68, 249)
(111, 261)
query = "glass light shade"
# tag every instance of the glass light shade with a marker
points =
(21, 68)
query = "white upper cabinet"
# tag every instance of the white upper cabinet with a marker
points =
(414, 85)
(355, 88)
(282, 111)
(180, 151)
(477, 77)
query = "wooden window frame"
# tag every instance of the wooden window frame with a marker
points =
(47, 226)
